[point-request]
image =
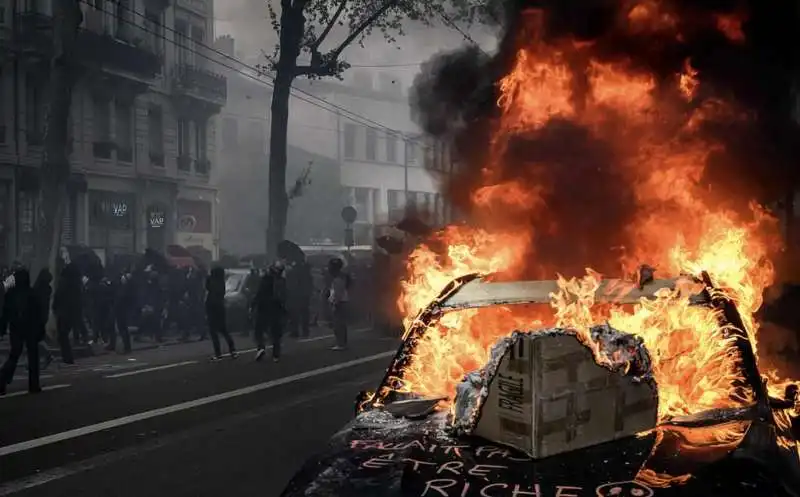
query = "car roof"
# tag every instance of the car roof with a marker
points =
(238, 271)
(481, 293)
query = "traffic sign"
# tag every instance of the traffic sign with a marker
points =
(349, 214)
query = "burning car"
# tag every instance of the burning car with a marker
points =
(575, 406)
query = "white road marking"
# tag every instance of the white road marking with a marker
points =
(25, 392)
(99, 461)
(183, 406)
(148, 370)
(304, 340)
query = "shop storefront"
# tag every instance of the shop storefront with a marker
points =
(195, 225)
(157, 227)
(27, 211)
(112, 223)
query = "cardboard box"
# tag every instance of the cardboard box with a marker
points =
(549, 396)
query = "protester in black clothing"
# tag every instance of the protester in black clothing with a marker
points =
(44, 290)
(339, 300)
(215, 312)
(23, 318)
(299, 287)
(124, 301)
(270, 309)
(104, 312)
(68, 308)
(152, 307)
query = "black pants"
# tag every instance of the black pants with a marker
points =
(150, 324)
(65, 325)
(121, 318)
(273, 325)
(216, 327)
(31, 344)
(340, 323)
(299, 321)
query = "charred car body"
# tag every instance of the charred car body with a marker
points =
(500, 437)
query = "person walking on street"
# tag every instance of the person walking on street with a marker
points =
(68, 308)
(299, 287)
(270, 309)
(339, 299)
(23, 318)
(215, 313)
(44, 291)
(153, 307)
(124, 301)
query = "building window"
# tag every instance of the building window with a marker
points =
(153, 31)
(2, 111)
(101, 128)
(362, 204)
(202, 164)
(155, 133)
(230, 133)
(391, 148)
(182, 42)
(124, 20)
(184, 138)
(349, 141)
(258, 137)
(371, 144)
(411, 153)
(34, 111)
(124, 138)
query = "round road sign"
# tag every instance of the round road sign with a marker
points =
(349, 214)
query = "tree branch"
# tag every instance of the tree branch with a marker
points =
(334, 55)
(321, 38)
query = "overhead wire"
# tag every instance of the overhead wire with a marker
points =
(360, 119)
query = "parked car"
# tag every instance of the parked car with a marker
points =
(240, 288)
(404, 444)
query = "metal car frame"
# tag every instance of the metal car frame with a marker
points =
(474, 291)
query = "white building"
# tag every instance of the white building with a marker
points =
(358, 137)
(142, 125)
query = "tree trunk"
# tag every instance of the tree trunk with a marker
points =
(278, 200)
(55, 168)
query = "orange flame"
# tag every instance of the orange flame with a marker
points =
(680, 227)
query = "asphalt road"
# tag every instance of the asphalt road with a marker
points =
(170, 422)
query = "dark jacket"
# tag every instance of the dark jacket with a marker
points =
(124, 294)
(68, 298)
(21, 312)
(271, 295)
(43, 289)
(215, 289)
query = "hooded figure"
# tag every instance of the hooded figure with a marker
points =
(270, 309)
(215, 312)
(23, 318)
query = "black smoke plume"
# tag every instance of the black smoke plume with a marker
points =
(455, 97)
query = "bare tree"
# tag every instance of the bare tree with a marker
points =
(55, 168)
(304, 27)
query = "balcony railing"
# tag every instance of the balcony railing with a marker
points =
(201, 84)
(96, 43)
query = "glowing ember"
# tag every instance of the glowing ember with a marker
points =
(677, 226)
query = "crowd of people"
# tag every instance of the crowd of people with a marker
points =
(101, 305)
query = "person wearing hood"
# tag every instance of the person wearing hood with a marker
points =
(215, 312)
(270, 309)
(43, 289)
(22, 317)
